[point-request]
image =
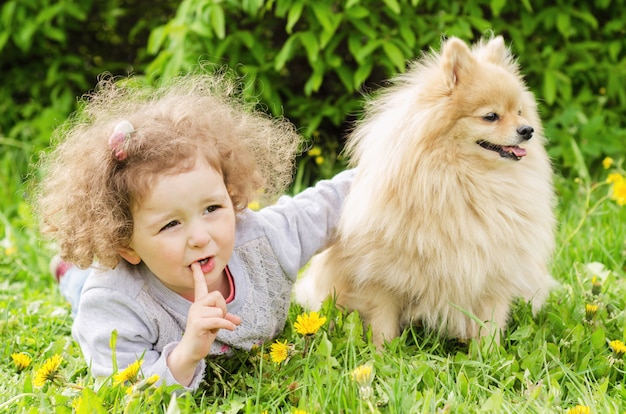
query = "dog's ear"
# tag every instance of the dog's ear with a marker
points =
(456, 59)
(496, 52)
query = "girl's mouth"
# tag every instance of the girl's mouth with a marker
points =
(207, 264)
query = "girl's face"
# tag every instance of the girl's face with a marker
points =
(186, 218)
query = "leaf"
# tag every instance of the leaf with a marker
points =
(365, 28)
(615, 47)
(8, 13)
(308, 40)
(361, 74)
(246, 38)
(497, 6)
(393, 5)
(345, 76)
(286, 52)
(324, 350)
(549, 86)
(527, 5)
(252, 6)
(580, 165)
(156, 39)
(48, 13)
(90, 403)
(563, 24)
(586, 17)
(173, 407)
(357, 12)
(395, 55)
(200, 28)
(408, 35)
(598, 339)
(323, 14)
(4, 37)
(113, 347)
(493, 403)
(463, 384)
(293, 16)
(218, 21)
(363, 52)
(315, 80)
(329, 20)
(53, 33)
(23, 38)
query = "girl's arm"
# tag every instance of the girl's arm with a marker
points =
(299, 227)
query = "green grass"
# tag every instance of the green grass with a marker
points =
(549, 363)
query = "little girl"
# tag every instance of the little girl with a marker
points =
(148, 190)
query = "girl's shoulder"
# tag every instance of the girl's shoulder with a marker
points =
(124, 278)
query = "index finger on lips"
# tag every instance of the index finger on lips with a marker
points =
(200, 287)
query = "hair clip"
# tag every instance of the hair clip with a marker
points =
(121, 133)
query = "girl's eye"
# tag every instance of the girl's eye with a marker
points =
(491, 117)
(169, 225)
(211, 209)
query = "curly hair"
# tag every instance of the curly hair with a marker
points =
(85, 199)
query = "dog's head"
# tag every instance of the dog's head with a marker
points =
(495, 116)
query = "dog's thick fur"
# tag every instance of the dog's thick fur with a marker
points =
(450, 216)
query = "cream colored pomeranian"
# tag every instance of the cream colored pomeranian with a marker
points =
(450, 216)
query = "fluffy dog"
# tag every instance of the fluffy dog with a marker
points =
(450, 216)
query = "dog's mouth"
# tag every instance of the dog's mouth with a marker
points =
(512, 152)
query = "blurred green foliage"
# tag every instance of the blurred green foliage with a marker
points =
(51, 52)
(311, 61)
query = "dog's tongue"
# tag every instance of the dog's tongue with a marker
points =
(518, 151)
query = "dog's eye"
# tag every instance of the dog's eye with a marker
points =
(491, 117)
(519, 113)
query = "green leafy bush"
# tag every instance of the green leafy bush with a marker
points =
(311, 60)
(50, 53)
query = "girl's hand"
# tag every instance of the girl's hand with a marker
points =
(207, 315)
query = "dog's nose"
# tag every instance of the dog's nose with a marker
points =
(526, 132)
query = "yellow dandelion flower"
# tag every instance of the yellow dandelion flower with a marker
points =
(596, 285)
(618, 348)
(363, 375)
(77, 404)
(579, 409)
(298, 411)
(10, 251)
(49, 371)
(254, 205)
(309, 324)
(21, 360)
(315, 151)
(128, 374)
(279, 351)
(143, 385)
(614, 178)
(319, 160)
(590, 311)
(619, 192)
(607, 163)
(153, 379)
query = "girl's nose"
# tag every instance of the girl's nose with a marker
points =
(199, 237)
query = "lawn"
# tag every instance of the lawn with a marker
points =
(569, 358)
